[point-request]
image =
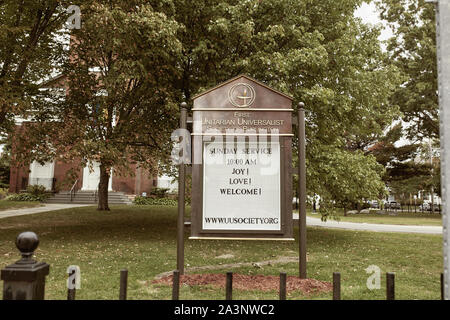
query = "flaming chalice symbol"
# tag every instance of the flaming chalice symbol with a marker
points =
(244, 97)
(241, 92)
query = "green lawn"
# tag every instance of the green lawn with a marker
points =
(142, 239)
(382, 217)
(7, 205)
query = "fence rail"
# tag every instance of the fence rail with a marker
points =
(336, 294)
(388, 208)
(18, 286)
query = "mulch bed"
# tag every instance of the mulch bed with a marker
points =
(248, 282)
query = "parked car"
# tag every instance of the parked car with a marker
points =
(374, 204)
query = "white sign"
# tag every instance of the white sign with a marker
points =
(241, 186)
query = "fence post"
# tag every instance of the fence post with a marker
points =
(336, 286)
(25, 279)
(302, 191)
(176, 285)
(229, 286)
(282, 285)
(442, 286)
(181, 196)
(390, 286)
(123, 284)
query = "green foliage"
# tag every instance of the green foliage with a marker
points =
(5, 160)
(412, 50)
(155, 201)
(27, 197)
(3, 193)
(403, 174)
(348, 179)
(408, 168)
(34, 193)
(36, 190)
(159, 192)
(30, 49)
(151, 55)
(122, 106)
(4, 172)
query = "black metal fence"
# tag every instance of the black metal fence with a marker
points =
(390, 286)
(25, 279)
(423, 208)
(389, 208)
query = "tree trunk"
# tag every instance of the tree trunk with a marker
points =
(345, 211)
(103, 189)
(432, 199)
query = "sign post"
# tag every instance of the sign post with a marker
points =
(242, 162)
(181, 198)
(302, 191)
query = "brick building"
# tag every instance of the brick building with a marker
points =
(59, 176)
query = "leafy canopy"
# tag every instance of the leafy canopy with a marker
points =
(151, 55)
(413, 50)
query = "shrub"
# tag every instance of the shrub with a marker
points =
(3, 193)
(155, 201)
(159, 192)
(26, 197)
(36, 190)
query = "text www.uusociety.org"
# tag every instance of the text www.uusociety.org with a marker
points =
(242, 220)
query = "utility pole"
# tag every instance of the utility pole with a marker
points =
(443, 65)
(431, 172)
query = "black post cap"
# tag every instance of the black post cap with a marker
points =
(27, 242)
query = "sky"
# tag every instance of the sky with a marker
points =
(368, 13)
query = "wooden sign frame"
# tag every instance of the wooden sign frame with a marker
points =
(257, 110)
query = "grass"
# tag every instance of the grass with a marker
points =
(381, 217)
(7, 205)
(143, 240)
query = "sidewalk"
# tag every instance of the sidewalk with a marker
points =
(313, 222)
(316, 222)
(44, 208)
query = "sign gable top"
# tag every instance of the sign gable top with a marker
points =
(242, 92)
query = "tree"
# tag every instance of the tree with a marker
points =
(316, 51)
(30, 48)
(5, 159)
(120, 108)
(408, 169)
(413, 50)
(350, 177)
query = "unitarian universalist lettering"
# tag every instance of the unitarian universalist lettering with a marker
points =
(241, 186)
(242, 121)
